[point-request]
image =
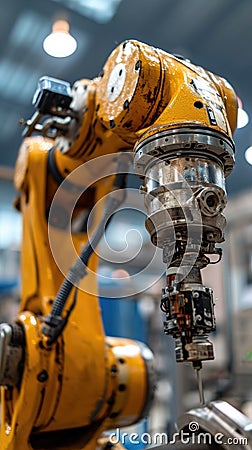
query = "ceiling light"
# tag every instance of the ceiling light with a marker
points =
(60, 43)
(242, 118)
(242, 115)
(248, 155)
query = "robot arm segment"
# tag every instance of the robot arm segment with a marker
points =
(178, 119)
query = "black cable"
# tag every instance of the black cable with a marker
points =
(78, 269)
(54, 323)
(58, 331)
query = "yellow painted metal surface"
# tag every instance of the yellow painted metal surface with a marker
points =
(80, 383)
(161, 91)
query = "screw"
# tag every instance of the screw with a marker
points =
(113, 369)
(138, 65)
(143, 189)
(42, 376)
(126, 104)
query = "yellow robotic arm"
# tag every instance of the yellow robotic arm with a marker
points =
(64, 382)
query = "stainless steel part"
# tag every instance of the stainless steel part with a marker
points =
(184, 173)
(228, 426)
(185, 187)
(200, 385)
(11, 354)
(186, 141)
(189, 310)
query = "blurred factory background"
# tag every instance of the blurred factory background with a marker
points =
(215, 34)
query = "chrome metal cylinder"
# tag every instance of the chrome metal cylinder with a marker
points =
(184, 172)
(11, 354)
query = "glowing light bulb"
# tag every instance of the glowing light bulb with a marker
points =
(242, 115)
(60, 43)
(248, 155)
(242, 118)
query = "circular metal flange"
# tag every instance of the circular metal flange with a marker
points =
(186, 141)
(212, 201)
(133, 89)
(151, 378)
(116, 82)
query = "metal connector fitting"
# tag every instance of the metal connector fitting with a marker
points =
(11, 354)
(50, 324)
